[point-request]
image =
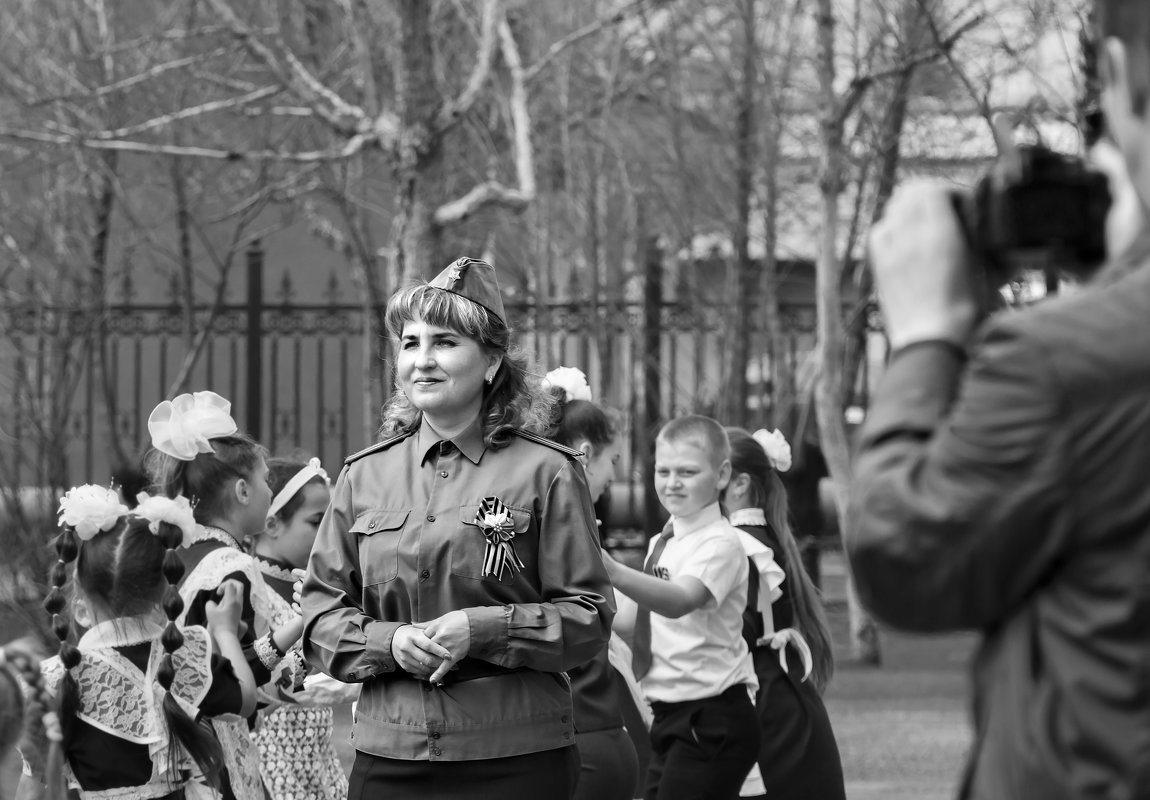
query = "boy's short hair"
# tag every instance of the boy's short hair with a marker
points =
(702, 431)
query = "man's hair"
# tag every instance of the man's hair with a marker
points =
(1129, 22)
(701, 431)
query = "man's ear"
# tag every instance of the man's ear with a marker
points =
(588, 451)
(273, 527)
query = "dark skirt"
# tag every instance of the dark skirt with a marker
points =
(798, 755)
(547, 774)
(609, 768)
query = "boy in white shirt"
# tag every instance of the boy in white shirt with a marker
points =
(690, 656)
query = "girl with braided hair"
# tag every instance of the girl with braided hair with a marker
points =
(129, 694)
(29, 725)
(199, 453)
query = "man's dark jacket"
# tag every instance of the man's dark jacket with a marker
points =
(1010, 493)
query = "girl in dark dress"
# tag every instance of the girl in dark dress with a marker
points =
(199, 453)
(791, 646)
(131, 691)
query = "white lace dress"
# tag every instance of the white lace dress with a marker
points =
(297, 758)
(241, 756)
(122, 703)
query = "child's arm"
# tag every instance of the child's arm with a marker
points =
(223, 618)
(288, 633)
(672, 598)
(624, 622)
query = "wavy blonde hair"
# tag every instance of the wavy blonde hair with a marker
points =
(515, 398)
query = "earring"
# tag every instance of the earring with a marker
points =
(489, 378)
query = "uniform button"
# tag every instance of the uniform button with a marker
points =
(424, 574)
(565, 718)
(435, 751)
(566, 736)
(435, 735)
(427, 687)
(431, 518)
(443, 474)
(371, 524)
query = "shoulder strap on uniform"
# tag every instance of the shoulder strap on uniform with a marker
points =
(375, 448)
(562, 448)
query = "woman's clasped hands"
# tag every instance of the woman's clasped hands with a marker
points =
(428, 650)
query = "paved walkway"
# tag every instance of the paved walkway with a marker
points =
(902, 728)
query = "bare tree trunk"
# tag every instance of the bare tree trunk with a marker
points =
(828, 389)
(420, 156)
(734, 398)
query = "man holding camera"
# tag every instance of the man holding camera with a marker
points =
(1003, 475)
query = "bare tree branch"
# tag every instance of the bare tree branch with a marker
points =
(590, 29)
(492, 192)
(185, 113)
(340, 115)
(981, 100)
(943, 48)
(353, 146)
(454, 109)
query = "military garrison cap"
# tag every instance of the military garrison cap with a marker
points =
(475, 280)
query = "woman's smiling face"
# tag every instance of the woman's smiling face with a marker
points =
(442, 372)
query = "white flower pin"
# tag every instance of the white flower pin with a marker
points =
(571, 380)
(89, 509)
(775, 445)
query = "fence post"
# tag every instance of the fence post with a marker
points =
(255, 264)
(652, 371)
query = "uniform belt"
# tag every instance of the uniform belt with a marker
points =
(471, 668)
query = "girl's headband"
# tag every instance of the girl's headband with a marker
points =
(295, 483)
(775, 445)
(183, 426)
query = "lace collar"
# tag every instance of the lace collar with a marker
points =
(274, 568)
(122, 632)
(748, 516)
(205, 533)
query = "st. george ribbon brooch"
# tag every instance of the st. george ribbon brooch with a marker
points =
(494, 519)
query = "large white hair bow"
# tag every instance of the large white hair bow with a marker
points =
(775, 445)
(182, 427)
(571, 380)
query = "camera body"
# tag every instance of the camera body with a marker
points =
(1037, 209)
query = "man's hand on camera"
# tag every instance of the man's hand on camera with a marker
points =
(921, 266)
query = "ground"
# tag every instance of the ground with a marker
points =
(902, 728)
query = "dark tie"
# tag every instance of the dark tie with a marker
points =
(641, 641)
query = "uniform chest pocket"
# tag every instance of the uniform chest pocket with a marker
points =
(377, 533)
(469, 548)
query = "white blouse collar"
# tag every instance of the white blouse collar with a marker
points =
(122, 632)
(748, 516)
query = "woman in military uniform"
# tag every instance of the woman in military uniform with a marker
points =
(457, 572)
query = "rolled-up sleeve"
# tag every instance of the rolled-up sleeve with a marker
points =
(339, 638)
(573, 621)
(958, 478)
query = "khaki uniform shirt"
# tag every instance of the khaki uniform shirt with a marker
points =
(399, 544)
